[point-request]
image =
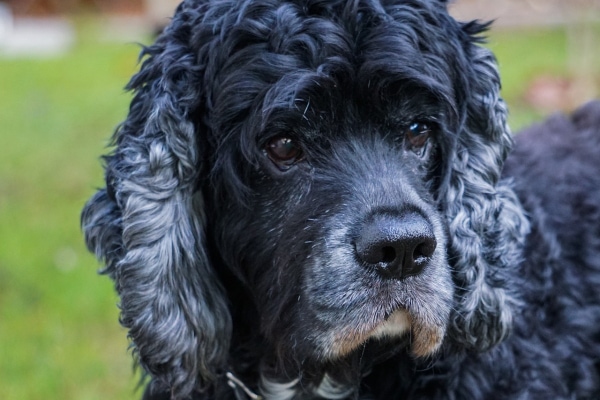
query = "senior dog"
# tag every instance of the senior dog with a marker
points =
(309, 199)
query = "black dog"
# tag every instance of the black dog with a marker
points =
(306, 201)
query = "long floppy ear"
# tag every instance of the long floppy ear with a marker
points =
(147, 225)
(487, 225)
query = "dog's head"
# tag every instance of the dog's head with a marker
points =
(338, 160)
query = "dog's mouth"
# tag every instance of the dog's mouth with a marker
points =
(425, 338)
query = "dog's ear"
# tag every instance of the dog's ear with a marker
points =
(487, 224)
(147, 225)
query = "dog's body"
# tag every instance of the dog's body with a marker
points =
(306, 201)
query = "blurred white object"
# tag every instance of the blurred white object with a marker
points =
(6, 23)
(34, 37)
(160, 11)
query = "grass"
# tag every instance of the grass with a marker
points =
(527, 54)
(58, 332)
(59, 336)
(522, 55)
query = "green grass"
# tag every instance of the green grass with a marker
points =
(529, 53)
(59, 335)
(522, 55)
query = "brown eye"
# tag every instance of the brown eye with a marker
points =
(283, 151)
(416, 134)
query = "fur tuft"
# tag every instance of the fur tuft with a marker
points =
(486, 221)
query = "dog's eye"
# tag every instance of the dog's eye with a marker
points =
(283, 151)
(416, 134)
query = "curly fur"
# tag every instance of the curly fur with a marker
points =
(225, 262)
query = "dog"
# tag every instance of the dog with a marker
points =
(318, 199)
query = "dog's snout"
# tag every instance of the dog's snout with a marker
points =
(396, 246)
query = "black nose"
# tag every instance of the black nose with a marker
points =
(397, 246)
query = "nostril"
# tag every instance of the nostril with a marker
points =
(425, 249)
(422, 252)
(397, 246)
(388, 254)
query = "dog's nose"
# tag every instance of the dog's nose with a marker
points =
(396, 246)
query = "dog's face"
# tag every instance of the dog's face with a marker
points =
(339, 237)
(340, 159)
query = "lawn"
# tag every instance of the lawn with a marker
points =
(59, 335)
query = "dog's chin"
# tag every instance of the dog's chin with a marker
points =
(425, 339)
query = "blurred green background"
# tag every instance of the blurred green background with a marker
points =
(59, 331)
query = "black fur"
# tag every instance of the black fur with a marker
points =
(309, 195)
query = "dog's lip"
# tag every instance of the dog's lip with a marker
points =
(426, 339)
(389, 314)
(396, 324)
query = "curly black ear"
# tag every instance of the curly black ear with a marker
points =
(147, 225)
(487, 224)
